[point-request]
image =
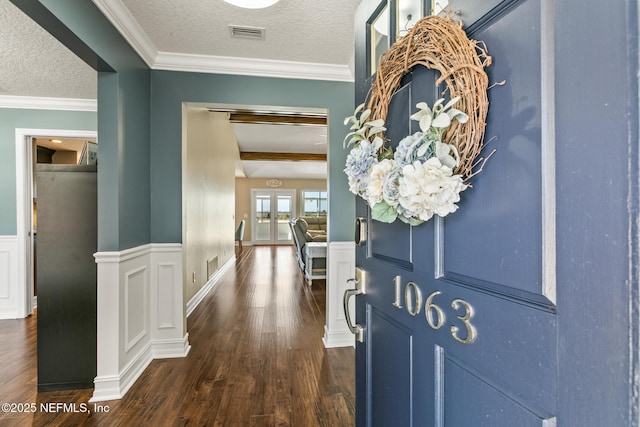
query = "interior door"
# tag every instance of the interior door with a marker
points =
(272, 211)
(460, 313)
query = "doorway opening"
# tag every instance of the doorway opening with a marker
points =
(26, 156)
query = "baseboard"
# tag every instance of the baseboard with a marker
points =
(114, 387)
(167, 349)
(340, 339)
(202, 293)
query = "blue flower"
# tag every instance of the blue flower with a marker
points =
(409, 151)
(359, 162)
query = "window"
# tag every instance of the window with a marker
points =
(314, 203)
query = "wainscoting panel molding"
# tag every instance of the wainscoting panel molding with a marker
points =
(341, 266)
(11, 290)
(140, 314)
(136, 284)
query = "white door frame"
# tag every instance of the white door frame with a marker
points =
(254, 191)
(24, 210)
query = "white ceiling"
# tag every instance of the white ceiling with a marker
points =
(315, 42)
(33, 63)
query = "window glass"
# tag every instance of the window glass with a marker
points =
(439, 6)
(314, 203)
(379, 42)
(409, 11)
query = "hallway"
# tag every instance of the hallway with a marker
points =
(256, 359)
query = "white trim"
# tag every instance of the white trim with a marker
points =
(251, 67)
(120, 17)
(10, 289)
(122, 360)
(548, 172)
(43, 103)
(341, 266)
(24, 191)
(204, 291)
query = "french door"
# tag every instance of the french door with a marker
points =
(271, 212)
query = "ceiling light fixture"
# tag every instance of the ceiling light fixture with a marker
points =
(252, 4)
(56, 141)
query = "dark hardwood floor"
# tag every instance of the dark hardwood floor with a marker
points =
(256, 359)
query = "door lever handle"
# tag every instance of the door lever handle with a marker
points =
(359, 289)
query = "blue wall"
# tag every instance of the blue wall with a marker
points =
(140, 130)
(123, 127)
(168, 91)
(10, 119)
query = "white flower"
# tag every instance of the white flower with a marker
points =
(377, 178)
(429, 188)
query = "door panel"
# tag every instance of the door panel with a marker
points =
(460, 320)
(387, 333)
(504, 208)
(468, 399)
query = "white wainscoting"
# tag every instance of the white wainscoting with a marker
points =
(11, 289)
(341, 266)
(140, 314)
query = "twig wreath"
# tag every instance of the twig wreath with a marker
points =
(428, 170)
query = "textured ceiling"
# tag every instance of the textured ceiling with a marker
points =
(33, 63)
(296, 30)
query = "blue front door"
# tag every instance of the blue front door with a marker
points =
(476, 319)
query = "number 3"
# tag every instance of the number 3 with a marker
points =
(466, 320)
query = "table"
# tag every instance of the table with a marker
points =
(315, 260)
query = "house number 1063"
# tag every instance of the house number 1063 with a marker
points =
(434, 314)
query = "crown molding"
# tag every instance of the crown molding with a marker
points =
(41, 103)
(118, 14)
(251, 67)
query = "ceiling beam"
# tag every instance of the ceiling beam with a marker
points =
(288, 119)
(291, 157)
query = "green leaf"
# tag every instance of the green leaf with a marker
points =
(411, 221)
(377, 129)
(424, 107)
(383, 212)
(458, 115)
(425, 123)
(375, 123)
(423, 149)
(377, 143)
(442, 121)
(450, 103)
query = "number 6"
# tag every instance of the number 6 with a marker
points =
(430, 308)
